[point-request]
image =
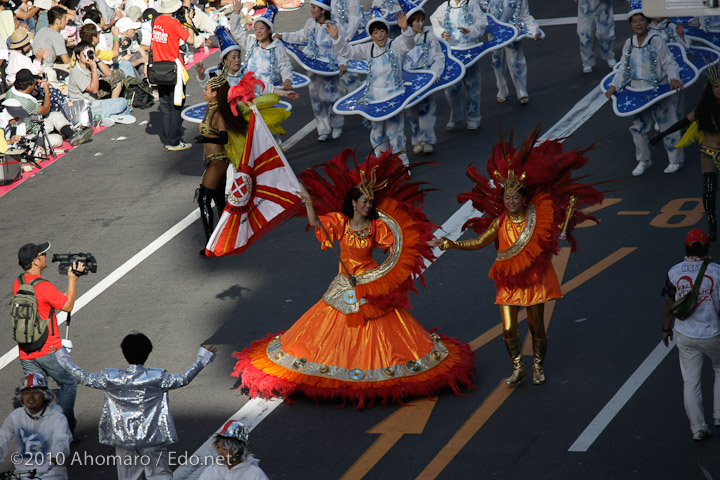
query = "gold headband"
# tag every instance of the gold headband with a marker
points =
(713, 73)
(368, 186)
(512, 183)
(219, 80)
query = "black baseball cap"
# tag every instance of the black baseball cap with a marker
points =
(149, 14)
(30, 251)
(25, 75)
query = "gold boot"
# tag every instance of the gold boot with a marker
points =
(515, 349)
(539, 350)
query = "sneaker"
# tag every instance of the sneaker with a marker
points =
(587, 69)
(450, 126)
(336, 132)
(107, 122)
(418, 148)
(701, 435)
(640, 169)
(501, 99)
(178, 147)
(81, 137)
(672, 168)
(123, 119)
(716, 422)
(612, 62)
(427, 148)
(473, 126)
(322, 138)
(524, 100)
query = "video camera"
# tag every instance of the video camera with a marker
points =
(182, 16)
(67, 259)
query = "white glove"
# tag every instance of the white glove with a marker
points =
(67, 344)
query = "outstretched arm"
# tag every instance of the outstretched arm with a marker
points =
(205, 355)
(92, 380)
(474, 244)
(313, 220)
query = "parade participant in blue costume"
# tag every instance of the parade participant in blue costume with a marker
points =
(386, 7)
(647, 63)
(348, 14)
(384, 78)
(669, 31)
(425, 55)
(704, 123)
(264, 56)
(324, 90)
(512, 57)
(461, 23)
(230, 59)
(595, 18)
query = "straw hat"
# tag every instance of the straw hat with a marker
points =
(20, 38)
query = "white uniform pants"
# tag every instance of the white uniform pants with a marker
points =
(595, 18)
(692, 352)
(152, 460)
(464, 97)
(389, 133)
(324, 92)
(665, 113)
(422, 118)
(510, 58)
(53, 123)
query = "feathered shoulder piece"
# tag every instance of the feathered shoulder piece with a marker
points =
(244, 91)
(399, 203)
(543, 168)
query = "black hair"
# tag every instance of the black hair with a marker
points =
(522, 191)
(348, 209)
(88, 32)
(25, 266)
(81, 47)
(24, 84)
(136, 348)
(641, 14)
(697, 249)
(419, 12)
(55, 13)
(94, 15)
(234, 123)
(376, 25)
(707, 113)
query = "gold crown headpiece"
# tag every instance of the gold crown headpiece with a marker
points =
(219, 80)
(368, 186)
(512, 183)
(713, 73)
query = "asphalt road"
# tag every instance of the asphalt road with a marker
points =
(113, 197)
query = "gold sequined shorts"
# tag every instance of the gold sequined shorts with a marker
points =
(216, 157)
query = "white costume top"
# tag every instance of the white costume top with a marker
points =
(666, 29)
(426, 54)
(247, 470)
(514, 12)
(388, 6)
(319, 42)
(384, 63)
(35, 440)
(348, 15)
(710, 23)
(704, 322)
(453, 14)
(636, 65)
(270, 64)
(17, 61)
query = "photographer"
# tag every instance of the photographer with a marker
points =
(84, 83)
(111, 80)
(32, 259)
(25, 83)
(132, 59)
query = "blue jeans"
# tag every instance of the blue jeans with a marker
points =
(127, 68)
(109, 107)
(49, 367)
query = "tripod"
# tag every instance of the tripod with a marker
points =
(43, 137)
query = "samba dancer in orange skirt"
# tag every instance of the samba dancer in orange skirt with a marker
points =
(359, 342)
(528, 207)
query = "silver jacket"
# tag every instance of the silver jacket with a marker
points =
(136, 413)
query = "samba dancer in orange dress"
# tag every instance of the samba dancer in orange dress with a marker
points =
(526, 210)
(359, 342)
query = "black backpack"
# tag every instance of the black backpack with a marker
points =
(138, 93)
(29, 330)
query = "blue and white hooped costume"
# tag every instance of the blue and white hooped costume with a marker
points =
(512, 57)
(647, 66)
(324, 90)
(449, 17)
(595, 18)
(384, 80)
(348, 15)
(425, 55)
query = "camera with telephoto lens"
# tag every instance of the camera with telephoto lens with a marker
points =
(182, 16)
(90, 54)
(67, 259)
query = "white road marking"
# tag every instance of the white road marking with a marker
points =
(299, 135)
(543, 22)
(618, 401)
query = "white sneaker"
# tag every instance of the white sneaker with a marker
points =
(418, 148)
(178, 147)
(701, 435)
(450, 126)
(107, 122)
(427, 148)
(640, 169)
(672, 168)
(336, 132)
(473, 126)
(587, 69)
(322, 138)
(123, 119)
(612, 62)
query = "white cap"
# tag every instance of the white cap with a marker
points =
(126, 24)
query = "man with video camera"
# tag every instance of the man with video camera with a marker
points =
(33, 260)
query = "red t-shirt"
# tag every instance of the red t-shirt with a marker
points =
(49, 299)
(166, 36)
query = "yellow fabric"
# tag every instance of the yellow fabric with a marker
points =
(273, 117)
(104, 55)
(3, 144)
(693, 134)
(542, 288)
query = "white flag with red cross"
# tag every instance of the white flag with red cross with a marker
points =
(264, 193)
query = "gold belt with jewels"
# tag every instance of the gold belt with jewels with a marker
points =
(216, 157)
(713, 153)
